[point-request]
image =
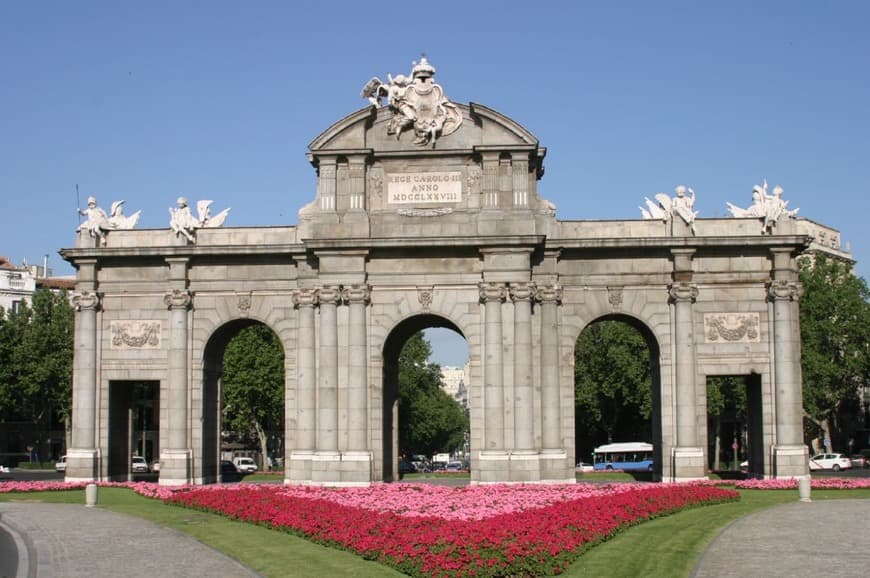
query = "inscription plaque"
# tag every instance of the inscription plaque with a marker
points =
(423, 188)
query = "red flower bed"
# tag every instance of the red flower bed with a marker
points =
(539, 541)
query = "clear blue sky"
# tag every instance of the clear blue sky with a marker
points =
(144, 101)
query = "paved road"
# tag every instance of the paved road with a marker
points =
(74, 541)
(821, 538)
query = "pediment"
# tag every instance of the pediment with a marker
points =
(368, 129)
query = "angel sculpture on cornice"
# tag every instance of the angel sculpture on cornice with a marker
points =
(98, 223)
(184, 224)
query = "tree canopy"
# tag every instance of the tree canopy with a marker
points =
(612, 384)
(835, 343)
(253, 385)
(430, 420)
(36, 358)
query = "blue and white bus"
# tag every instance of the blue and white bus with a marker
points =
(628, 456)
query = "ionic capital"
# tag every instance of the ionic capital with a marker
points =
(329, 295)
(522, 291)
(682, 292)
(492, 292)
(86, 301)
(785, 290)
(356, 294)
(178, 299)
(305, 298)
(548, 294)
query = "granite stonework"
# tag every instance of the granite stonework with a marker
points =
(429, 229)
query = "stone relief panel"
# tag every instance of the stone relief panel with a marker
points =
(732, 327)
(135, 334)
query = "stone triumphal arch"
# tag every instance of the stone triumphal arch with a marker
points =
(427, 214)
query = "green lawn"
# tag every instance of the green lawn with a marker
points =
(666, 546)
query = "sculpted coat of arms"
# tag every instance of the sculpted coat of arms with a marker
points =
(417, 103)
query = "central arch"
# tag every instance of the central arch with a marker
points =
(393, 345)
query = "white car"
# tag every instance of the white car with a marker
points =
(60, 466)
(245, 465)
(835, 462)
(138, 465)
(584, 467)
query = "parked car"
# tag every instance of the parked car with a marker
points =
(245, 465)
(229, 473)
(138, 465)
(60, 466)
(584, 467)
(835, 462)
(860, 461)
(454, 467)
(155, 466)
(406, 467)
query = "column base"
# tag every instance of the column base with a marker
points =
(555, 467)
(82, 465)
(790, 461)
(175, 467)
(329, 468)
(688, 464)
(524, 466)
(493, 467)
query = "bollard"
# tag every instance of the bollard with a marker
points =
(91, 495)
(804, 488)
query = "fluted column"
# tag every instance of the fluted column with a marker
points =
(327, 407)
(682, 296)
(84, 410)
(524, 403)
(492, 295)
(551, 426)
(305, 301)
(357, 297)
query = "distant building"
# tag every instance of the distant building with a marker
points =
(454, 380)
(18, 282)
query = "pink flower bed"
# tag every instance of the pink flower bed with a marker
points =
(422, 530)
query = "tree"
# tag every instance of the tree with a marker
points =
(253, 385)
(612, 382)
(835, 344)
(36, 358)
(429, 420)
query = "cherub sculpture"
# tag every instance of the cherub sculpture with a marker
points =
(417, 103)
(184, 224)
(770, 208)
(682, 205)
(98, 223)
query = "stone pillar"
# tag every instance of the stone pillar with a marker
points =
(357, 297)
(304, 436)
(688, 456)
(81, 458)
(492, 295)
(790, 453)
(524, 403)
(327, 407)
(551, 423)
(175, 454)
(524, 459)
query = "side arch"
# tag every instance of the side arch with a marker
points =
(207, 404)
(658, 410)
